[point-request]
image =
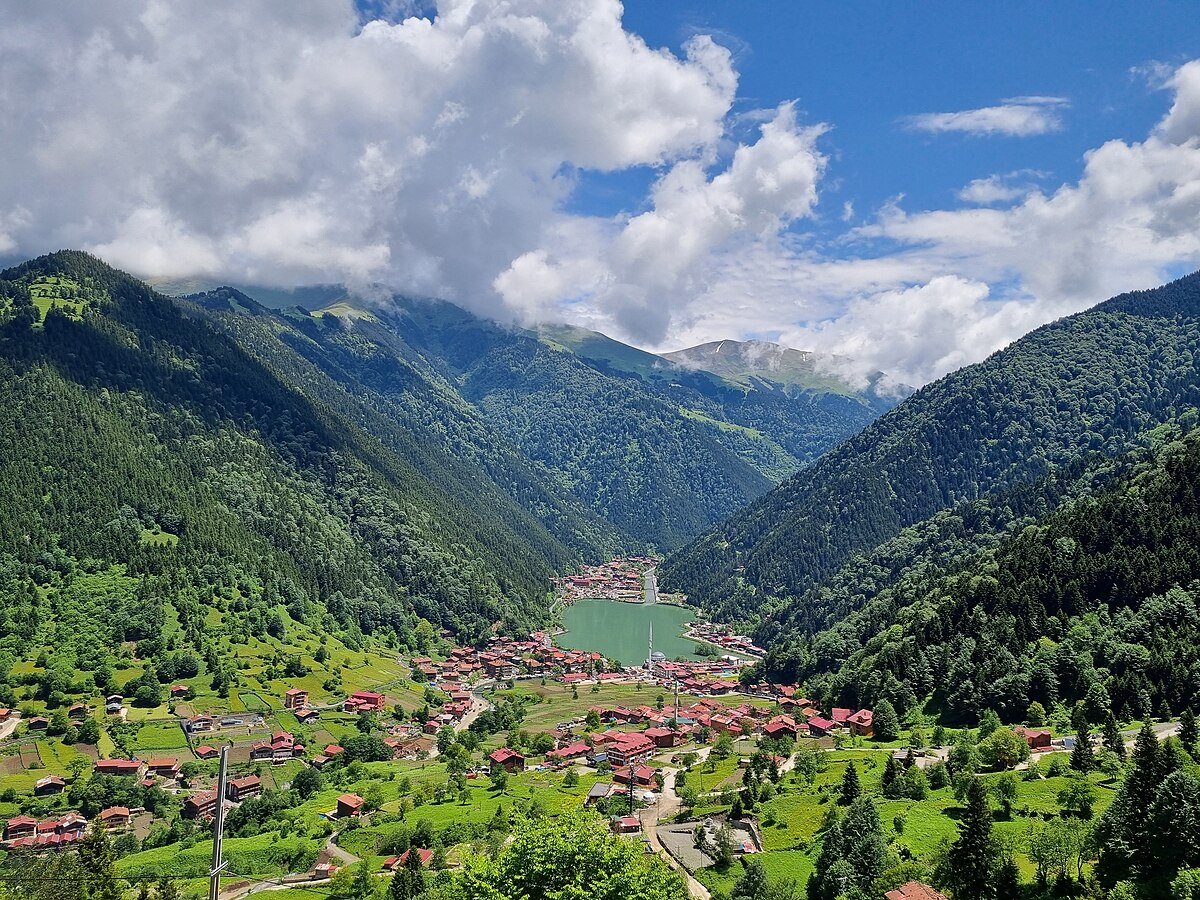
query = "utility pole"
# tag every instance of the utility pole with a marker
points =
(218, 865)
(631, 764)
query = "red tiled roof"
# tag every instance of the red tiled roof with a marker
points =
(915, 890)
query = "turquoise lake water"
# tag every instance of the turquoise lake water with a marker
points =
(619, 630)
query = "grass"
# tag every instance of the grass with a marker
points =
(263, 854)
(158, 538)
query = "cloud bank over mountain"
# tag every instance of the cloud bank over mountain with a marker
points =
(288, 143)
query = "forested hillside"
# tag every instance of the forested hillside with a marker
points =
(657, 451)
(1091, 383)
(155, 469)
(993, 606)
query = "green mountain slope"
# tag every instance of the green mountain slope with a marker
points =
(996, 606)
(659, 450)
(145, 443)
(1093, 382)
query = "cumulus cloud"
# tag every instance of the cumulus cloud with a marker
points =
(283, 142)
(286, 142)
(1014, 117)
(998, 188)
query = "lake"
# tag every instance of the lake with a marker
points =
(619, 630)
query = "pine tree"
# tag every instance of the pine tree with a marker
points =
(753, 883)
(851, 786)
(1187, 731)
(98, 859)
(1083, 757)
(891, 784)
(409, 882)
(1113, 740)
(971, 861)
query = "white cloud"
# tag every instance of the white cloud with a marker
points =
(996, 189)
(282, 143)
(1015, 117)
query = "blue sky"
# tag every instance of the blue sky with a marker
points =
(864, 67)
(907, 187)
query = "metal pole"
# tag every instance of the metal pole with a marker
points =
(214, 874)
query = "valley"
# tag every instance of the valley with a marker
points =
(407, 566)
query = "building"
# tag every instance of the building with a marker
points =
(781, 727)
(201, 805)
(630, 748)
(597, 791)
(206, 752)
(49, 785)
(627, 825)
(862, 723)
(1036, 738)
(663, 737)
(201, 723)
(426, 856)
(20, 827)
(164, 767)
(239, 789)
(118, 767)
(115, 817)
(364, 701)
(819, 727)
(642, 776)
(349, 805)
(296, 698)
(509, 760)
(915, 890)
(307, 716)
(577, 750)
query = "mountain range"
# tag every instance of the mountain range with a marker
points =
(365, 467)
(997, 537)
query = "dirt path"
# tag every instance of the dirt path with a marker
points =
(667, 805)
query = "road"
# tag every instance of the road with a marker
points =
(7, 728)
(479, 703)
(650, 596)
(667, 805)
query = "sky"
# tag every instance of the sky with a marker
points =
(909, 188)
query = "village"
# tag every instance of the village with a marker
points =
(583, 735)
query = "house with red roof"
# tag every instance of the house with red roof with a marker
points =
(915, 890)
(1036, 738)
(663, 737)
(206, 752)
(627, 825)
(781, 727)
(426, 856)
(630, 748)
(240, 789)
(577, 750)
(164, 766)
(118, 767)
(349, 805)
(20, 827)
(840, 715)
(862, 723)
(509, 760)
(115, 817)
(819, 727)
(201, 805)
(642, 775)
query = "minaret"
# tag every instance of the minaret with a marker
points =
(650, 651)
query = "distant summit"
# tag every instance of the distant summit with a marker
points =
(753, 363)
